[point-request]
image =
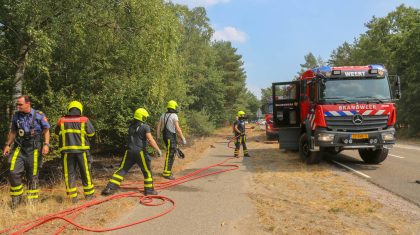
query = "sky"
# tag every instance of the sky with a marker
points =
(273, 36)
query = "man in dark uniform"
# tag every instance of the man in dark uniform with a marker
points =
(239, 131)
(27, 128)
(138, 136)
(73, 130)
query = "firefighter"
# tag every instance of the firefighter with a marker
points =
(27, 128)
(138, 136)
(240, 137)
(169, 125)
(73, 130)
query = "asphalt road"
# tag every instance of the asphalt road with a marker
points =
(397, 173)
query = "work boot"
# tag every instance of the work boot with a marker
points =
(418, 181)
(74, 200)
(108, 191)
(16, 200)
(150, 191)
(237, 156)
(171, 177)
(89, 197)
(247, 155)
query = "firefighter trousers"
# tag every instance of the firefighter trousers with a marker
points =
(171, 144)
(25, 162)
(72, 161)
(140, 158)
(241, 140)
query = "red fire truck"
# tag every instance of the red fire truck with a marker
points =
(329, 109)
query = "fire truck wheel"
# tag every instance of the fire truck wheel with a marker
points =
(371, 156)
(309, 157)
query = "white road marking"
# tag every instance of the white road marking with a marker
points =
(395, 156)
(349, 168)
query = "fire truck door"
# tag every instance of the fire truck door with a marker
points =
(286, 104)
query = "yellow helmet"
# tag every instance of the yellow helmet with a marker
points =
(241, 113)
(172, 104)
(141, 114)
(75, 104)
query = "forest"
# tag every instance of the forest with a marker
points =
(116, 56)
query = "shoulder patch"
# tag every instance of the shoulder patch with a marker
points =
(40, 112)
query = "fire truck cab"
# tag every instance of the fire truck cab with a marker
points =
(329, 109)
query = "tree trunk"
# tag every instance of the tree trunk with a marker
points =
(20, 70)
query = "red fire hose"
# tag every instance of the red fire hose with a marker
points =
(70, 215)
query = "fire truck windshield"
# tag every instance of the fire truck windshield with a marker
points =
(355, 89)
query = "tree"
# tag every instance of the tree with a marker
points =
(114, 57)
(266, 94)
(231, 64)
(310, 62)
(342, 55)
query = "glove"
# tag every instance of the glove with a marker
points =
(184, 141)
(6, 151)
(159, 153)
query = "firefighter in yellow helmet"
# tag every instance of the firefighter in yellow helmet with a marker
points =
(74, 131)
(169, 125)
(239, 131)
(138, 136)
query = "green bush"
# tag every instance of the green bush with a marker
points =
(200, 123)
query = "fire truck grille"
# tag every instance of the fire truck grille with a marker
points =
(345, 123)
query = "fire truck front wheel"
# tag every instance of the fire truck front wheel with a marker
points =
(307, 156)
(371, 156)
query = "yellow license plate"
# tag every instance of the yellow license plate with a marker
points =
(359, 136)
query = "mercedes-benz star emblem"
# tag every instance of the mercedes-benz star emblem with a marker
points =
(357, 119)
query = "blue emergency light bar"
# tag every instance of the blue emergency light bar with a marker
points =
(328, 71)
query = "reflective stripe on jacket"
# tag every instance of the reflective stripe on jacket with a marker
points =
(73, 131)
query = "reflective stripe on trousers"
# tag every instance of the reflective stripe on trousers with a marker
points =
(70, 162)
(240, 140)
(131, 158)
(24, 162)
(171, 144)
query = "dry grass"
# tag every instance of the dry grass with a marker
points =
(54, 199)
(294, 198)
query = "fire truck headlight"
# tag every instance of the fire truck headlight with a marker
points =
(388, 136)
(325, 137)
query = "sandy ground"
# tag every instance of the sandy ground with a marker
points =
(285, 196)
